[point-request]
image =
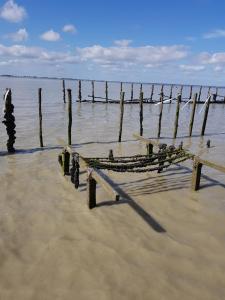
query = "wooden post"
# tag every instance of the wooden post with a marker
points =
(215, 98)
(205, 116)
(149, 149)
(177, 116)
(122, 95)
(40, 117)
(196, 174)
(181, 91)
(141, 88)
(93, 91)
(132, 92)
(69, 116)
(65, 157)
(64, 91)
(199, 94)
(190, 96)
(79, 91)
(161, 93)
(193, 114)
(209, 91)
(152, 93)
(91, 191)
(141, 112)
(121, 87)
(106, 92)
(160, 114)
(171, 93)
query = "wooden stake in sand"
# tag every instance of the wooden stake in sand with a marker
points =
(40, 117)
(190, 96)
(106, 92)
(91, 191)
(79, 91)
(199, 94)
(177, 116)
(205, 116)
(122, 95)
(64, 91)
(93, 91)
(132, 92)
(193, 114)
(152, 93)
(160, 114)
(141, 112)
(196, 175)
(69, 116)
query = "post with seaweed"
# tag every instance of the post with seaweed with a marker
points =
(40, 117)
(93, 91)
(122, 95)
(176, 123)
(193, 114)
(69, 116)
(64, 91)
(132, 92)
(106, 92)
(141, 112)
(160, 114)
(9, 121)
(79, 91)
(205, 115)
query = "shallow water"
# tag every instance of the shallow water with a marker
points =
(53, 247)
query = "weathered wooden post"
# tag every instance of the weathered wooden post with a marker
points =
(40, 117)
(196, 174)
(209, 91)
(93, 91)
(205, 116)
(161, 93)
(132, 92)
(91, 190)
(181, 91)
(69, 116)
(106, 92)
(152, 93)
(190, 96)
(215, 98)
(160, 114)
(193, 114)
(176, 123)
(65, 159)
(122, 95)
(141, 112)
(171, 93)
(121, 87)
(149, 149)
(199, 94)
(141, 88)
(9, 121)
(79, 91)
(64, 91)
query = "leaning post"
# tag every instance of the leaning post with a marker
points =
(122, 95)
(160, 114)
(205, 116)
(193, 114)
(176, 123)
(40, 117)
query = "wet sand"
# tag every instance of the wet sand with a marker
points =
(160, 241)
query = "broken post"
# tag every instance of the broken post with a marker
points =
(196, 174)
(160, 114)
(79, 91)
(193, 114)
(65, 160)
(106, 92)
(122, 95)
(93, 91)
(9, 121)
(176, 123)
(205, 116)
(69, 116)
(91, 190)
(141, 112)
(64, 91)
(199, 94)
(40, 117)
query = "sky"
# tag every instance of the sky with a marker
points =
(147, 41)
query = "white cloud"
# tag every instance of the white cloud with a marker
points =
(215, 58)
(69, 28)
(19, 36)
(123, 43)
(50, 36)
(192, 67)
(12, 12)
(140, 55)
(214, 34)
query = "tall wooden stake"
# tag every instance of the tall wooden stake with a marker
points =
(160, 114)
(79, 91)
(141, 112)
(132, 92)
(106, 92)
(193, 114)
(69, 116)
(122, 95)
(64, 91)
(177, 116)
(190, 96)
(40, 117)
(152, 93)
(93, 91)
(199, 94)
(205, 116)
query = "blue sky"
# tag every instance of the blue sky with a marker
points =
(150, 41)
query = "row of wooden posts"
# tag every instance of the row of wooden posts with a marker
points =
(150, 99)
(141, 116)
